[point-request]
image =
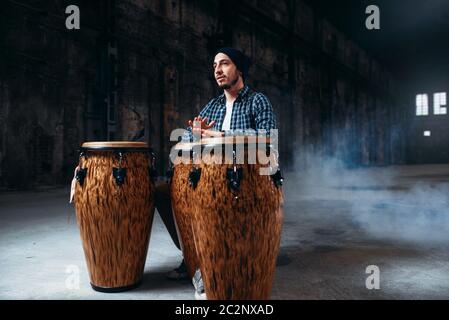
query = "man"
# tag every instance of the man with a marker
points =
(238, 108)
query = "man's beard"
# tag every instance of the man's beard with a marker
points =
(226, 86)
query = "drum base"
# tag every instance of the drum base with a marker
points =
(116, 289)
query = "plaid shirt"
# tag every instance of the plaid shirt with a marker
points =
(251, 110)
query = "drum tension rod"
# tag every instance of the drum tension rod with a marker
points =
(152, 169)
(81, 172)
(119, 173)
(234, 175)
(170, 169)
(194, 177)
(195, 173)
(169, 172)
(277, 178)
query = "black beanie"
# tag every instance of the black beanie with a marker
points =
(240, 60)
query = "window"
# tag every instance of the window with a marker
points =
(427, 133)
(439, 100)
(422, 105)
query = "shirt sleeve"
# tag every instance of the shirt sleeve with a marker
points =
(265, 118)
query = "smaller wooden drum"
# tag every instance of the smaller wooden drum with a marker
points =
(114, 209)
(181, 195)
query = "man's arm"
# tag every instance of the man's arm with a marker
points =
(204, 114)
(264, 114)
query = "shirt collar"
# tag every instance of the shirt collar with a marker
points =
(242, 93)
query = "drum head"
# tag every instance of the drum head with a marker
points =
(221, 141)
(115, 145)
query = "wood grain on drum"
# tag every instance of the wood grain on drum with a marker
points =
(115, 221)
(237, 239)
(181, 194)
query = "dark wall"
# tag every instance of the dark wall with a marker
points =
(144, 68)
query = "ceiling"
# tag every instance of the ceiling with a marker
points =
(413, 36)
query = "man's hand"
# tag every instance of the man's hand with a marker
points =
(211, 134)
(200, 126)
(200, 123)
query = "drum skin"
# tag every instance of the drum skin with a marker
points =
(237, 239)
(115, 220)
(181, 194)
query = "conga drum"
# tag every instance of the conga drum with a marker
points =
(181, 192)
(114, 209)
(237, 217)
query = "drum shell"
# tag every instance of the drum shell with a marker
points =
(237, 233)
(115, 220)
(181, 194)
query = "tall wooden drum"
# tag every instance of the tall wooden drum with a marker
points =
(114, 209)
(237, 217)
(181, 195)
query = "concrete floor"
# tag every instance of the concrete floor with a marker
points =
(337, 223)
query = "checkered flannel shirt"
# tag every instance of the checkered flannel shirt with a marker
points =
(252, 111)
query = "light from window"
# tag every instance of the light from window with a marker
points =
(422, 105)
(427, 133)
(439, 100)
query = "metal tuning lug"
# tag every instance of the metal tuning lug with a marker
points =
(277, 178)
(81, 175)
(234, 176)
(81, 172)
(153, 170)
(119, 173)
(194, 177)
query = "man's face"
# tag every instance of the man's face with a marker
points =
(225, 71)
